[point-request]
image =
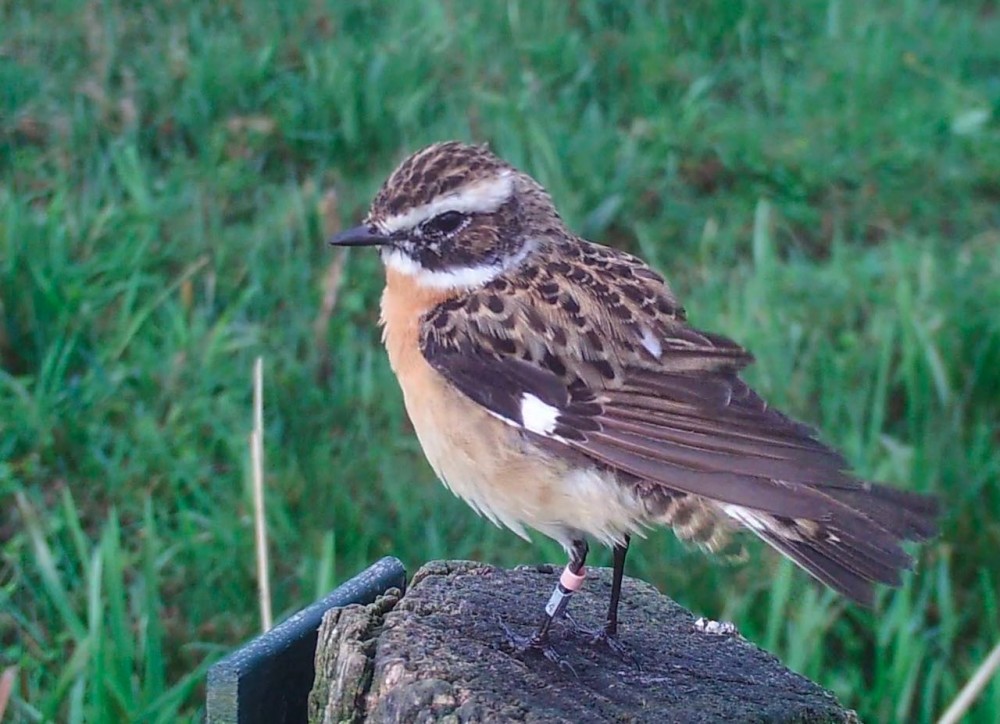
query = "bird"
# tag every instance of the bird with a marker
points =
(556, 385)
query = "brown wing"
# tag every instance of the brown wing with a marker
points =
(633, 388)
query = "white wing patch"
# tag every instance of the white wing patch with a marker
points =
(479, 198)
(651, 343)
(537, 416)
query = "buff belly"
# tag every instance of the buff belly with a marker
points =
(491, 466)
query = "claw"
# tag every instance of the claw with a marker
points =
(602, 636)
(538, 641)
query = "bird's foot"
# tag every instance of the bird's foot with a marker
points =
(603, 636)
(538, 641)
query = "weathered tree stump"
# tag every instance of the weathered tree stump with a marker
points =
(439, 654)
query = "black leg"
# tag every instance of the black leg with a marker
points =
(578, 555)
(609, 634)
(620, 551)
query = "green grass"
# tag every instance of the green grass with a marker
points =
(819, 180)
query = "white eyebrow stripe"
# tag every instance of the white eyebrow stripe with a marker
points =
(478, 197)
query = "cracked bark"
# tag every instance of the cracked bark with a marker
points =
(438, 654)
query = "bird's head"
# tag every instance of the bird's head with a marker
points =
(455, 215)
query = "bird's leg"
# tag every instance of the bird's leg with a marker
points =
(609, 634)
(619, 553)
(569, 582)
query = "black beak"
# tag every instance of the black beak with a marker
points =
(359, 236)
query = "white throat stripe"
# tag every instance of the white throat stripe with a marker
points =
(470, 276)
(479, 197)
(455, 277)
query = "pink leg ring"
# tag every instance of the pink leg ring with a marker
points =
(569, 583)
(572, 581)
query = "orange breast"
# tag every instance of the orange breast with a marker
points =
(483, 460)
(403, 304)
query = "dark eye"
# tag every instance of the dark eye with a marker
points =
(446, 223)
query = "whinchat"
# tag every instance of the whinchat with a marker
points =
(555, 384)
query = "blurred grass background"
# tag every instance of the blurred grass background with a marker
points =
(819, 180)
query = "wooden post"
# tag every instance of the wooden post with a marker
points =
(439, 654)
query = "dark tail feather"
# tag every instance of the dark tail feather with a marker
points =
(910, 516)
(861, 544)
(824, 568)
